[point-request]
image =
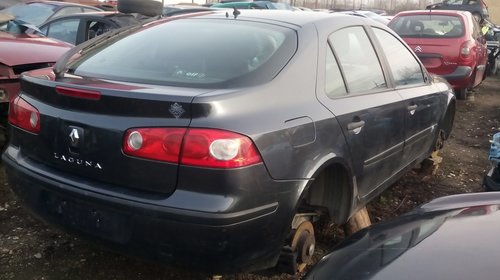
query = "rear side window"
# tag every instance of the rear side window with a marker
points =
(64, 30)
(428, 26)
(334, 83)
(405, 69)
(194, 52)
(358, 60)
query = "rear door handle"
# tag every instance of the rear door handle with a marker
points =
(356, 127)
(412, 109)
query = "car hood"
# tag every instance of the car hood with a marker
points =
(454, 237)
(28, 48)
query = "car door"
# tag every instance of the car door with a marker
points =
(370, 113)
(422, 101)
(481, 50)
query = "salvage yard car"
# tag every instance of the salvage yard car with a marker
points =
(449, 44)
(38, 12)
(21, 52)
(220, 145)
(78, 28)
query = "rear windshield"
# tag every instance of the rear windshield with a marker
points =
(428, 26)
(34, 13)
(194, 52)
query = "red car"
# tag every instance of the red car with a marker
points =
(20, 52)
(449, 44)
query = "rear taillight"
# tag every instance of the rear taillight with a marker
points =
(162, 144)
(24, 115)
(218, 148)
(196, 146)
(466, 50)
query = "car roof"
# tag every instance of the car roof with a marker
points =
(438, 12)
(58, 3)
(277, 16)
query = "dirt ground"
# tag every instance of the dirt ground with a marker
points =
(30, 249)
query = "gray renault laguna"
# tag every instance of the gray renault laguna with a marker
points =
(216, 139)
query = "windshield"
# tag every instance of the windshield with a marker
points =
(428, 26)
(193, 52)
(35, 13)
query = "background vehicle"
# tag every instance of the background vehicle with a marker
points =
(367, 14)
(477, 8)
(223, 157)
(78, 28)
(7, 3)
(169, 10)
(449, 44)
(21, 52)
(38, 12)
(259, 5)
(426, 243)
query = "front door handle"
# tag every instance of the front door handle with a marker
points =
(356, 127)
(412, 109)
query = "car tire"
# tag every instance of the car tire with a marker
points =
(461, 93)
(144, 7)
(493, 68)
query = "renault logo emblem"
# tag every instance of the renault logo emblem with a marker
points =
(75, 136)
(418, 49)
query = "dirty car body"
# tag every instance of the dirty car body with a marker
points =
(207, 159)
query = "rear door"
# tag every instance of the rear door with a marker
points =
(481, 51)
(371, 115)
(422, 101)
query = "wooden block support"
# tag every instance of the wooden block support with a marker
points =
(430, 165)
(359, 221)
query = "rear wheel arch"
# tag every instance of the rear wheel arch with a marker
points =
(331, 190)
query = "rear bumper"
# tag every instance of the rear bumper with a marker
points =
(460, 78)
(248, 239)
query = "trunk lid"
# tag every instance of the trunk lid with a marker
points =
(439, 56)
(100, 126)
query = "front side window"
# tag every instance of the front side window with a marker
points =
(193, 52)
(404, 67)
(358, 60)
(428, 26)
(64, 30)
